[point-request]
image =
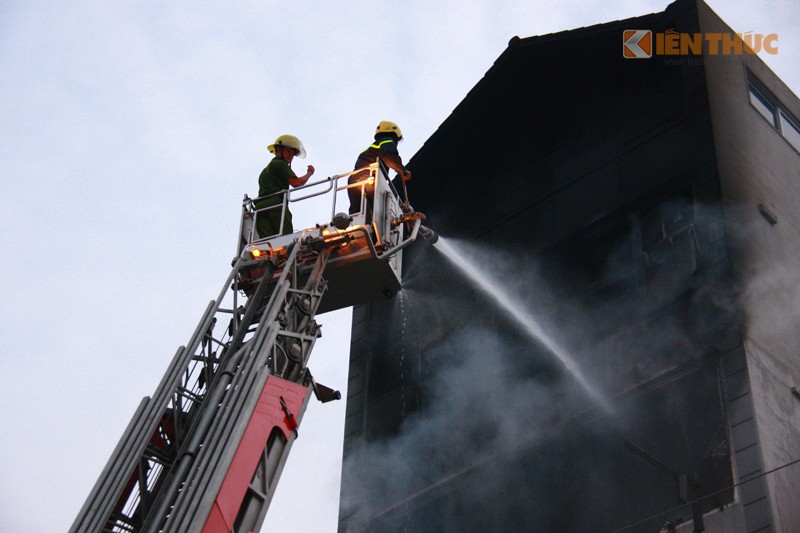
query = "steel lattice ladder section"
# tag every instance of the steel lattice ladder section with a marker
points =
(205, 452)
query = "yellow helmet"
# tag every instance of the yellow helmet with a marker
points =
(389, 127)
(292, 142)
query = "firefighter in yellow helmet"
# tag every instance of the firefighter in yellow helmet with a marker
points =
(384, 150)
(275, 178)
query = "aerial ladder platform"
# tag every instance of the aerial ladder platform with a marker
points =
(205, 452)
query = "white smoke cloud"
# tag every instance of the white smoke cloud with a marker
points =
(495, 396)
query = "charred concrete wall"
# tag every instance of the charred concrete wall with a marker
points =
(760, 176)
(605, 221)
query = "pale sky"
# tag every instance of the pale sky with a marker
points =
(131, 130)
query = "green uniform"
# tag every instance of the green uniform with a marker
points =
(274, 179)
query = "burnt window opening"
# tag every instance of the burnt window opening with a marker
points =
(599, 264)
(686, 436)
(646, 253)
(669, 247)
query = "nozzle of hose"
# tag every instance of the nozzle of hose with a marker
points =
(408, 217)
(428, 234)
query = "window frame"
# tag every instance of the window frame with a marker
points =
(787, 122)
(765, 103)
(766, 109)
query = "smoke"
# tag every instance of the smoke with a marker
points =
(770, 270)
(479, 409)
(501, 434)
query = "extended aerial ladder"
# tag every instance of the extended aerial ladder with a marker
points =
(206, 450)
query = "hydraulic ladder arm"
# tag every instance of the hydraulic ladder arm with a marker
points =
(182, 442)
(206, 451)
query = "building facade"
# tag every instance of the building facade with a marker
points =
(626, 355)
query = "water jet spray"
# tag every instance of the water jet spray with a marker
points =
(526, 322)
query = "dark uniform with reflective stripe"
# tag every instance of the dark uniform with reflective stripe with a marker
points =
(384, 150)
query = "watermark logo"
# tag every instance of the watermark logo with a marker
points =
(644, 44)
(637, 44)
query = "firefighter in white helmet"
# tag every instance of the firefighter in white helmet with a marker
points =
(384, 150)
(276, 177)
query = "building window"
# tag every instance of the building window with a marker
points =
(762, 105)
(774, 112)
(790, 130)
